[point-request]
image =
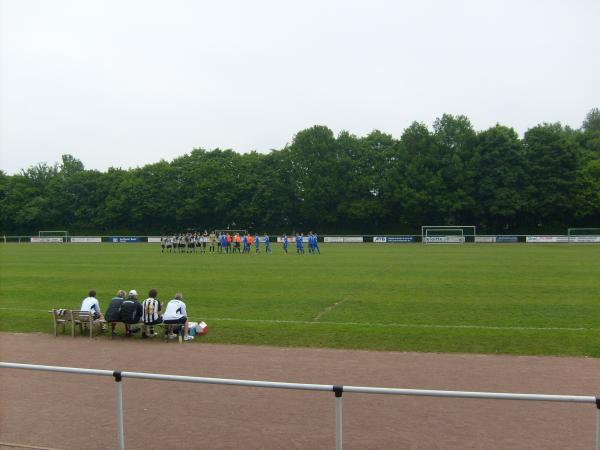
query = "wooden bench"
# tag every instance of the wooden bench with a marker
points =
(77, 318)
(60, 317)
(85, 319)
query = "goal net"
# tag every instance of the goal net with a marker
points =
(584, 235)
(447, 234)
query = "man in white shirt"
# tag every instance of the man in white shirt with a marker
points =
(90, 304)
(176, 314)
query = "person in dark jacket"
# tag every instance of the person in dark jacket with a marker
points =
(131, 312)
(113, 313)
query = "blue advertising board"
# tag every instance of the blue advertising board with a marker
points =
(124, 239)
(507, 239)
(393, 239)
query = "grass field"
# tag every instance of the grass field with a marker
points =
(517, 299)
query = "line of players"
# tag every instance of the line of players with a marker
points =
(227, 243)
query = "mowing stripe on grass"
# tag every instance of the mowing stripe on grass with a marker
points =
(366, 324)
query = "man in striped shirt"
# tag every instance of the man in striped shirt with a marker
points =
(151, 308)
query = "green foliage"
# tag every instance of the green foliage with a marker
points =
(518, 299)
(450, 174)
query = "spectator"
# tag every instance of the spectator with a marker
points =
(151, 308)
(131, 313)
(90, 304)
(175, 314)
(113, 313)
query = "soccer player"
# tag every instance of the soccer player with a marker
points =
(257, 242)
(316, 244)
(285, 243)
(267, 244)
(300, 244)
(228, 243)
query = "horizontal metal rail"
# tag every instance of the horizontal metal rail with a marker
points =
(311, 387)
(336, 389)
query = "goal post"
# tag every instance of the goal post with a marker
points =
(53, 236)
(447, 234)
(583, 235)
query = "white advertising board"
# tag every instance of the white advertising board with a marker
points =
(380, 239)
(343, 239)
(444, 239)
(585, 239)
(86, 240)
(46, 240)
(153, 240)
(485, 239)
(546, 239)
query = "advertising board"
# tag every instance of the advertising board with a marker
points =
(124, 239)
(86, 240)
(485, 239)
(585, 239)
(400, 239)
(444, 239)
(46, 240)
(546, 239)
(153, 240)
(507, 239)
(343, 239)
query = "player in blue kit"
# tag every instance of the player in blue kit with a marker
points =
(316, 244)
(299, 244)
(257, 242)
(267, 243)
(285, 243)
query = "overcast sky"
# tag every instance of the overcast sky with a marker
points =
(123, 83)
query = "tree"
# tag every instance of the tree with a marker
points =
(500, 177)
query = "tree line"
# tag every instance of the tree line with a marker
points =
(449, 174)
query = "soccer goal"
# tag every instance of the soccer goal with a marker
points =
(447, 234)
(584, 235)
(53, 236)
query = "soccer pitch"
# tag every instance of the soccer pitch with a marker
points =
(515, 299)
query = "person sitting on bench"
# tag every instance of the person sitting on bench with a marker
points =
(90, 304)
(175, 314)
(131, 313)
(151, 313)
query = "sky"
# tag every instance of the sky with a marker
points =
(124, 83)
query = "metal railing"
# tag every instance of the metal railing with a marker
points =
(338, 390)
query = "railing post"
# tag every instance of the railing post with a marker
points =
(597, 423)
(338, 416)
(119, 396)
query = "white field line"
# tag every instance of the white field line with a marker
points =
(366, 324)
(329, 308)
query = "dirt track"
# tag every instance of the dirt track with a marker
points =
(78, 412)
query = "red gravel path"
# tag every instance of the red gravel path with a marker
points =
(78, 412)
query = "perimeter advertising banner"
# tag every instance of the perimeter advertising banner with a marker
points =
(86, 240)
(153, 240)
(394, 239)
(507, 239)
(343, 239)
(124, 239)
(546, 239)
(46, 240)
